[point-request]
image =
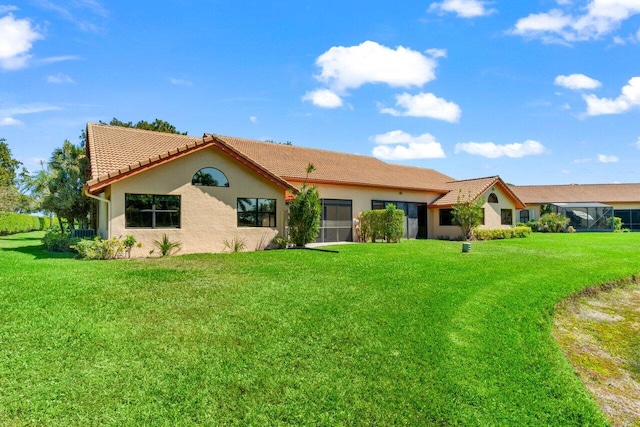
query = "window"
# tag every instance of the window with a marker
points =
(492, 198)
(210, 177)
(506, 216)
(151, 211)
(524, 216)
(446, 217)
(256, 212)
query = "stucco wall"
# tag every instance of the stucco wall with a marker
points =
(492, 216)
(361, 197)
(208, 215)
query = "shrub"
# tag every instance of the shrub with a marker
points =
(12, 223)
(100, 248)
(280, 242)
(501, 233)
(235, 244)
(553, 223)
(166, 246)
(304, 216)
(387, 224)
(58, 241)
(616, 224)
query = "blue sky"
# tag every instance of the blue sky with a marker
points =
(538, 92)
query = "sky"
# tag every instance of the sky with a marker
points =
(538, 91)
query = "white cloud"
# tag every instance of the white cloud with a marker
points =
(493, 151)
(351, 67)
(462, 8)
(60, 79)
(425, 105)
(602, 158)
(581, 161)
(575, 23)
(399, 145)
(629, 98)
(7, 115)
(253, 119)
(323, 98)
(437, 53)
(16, 38)
(87, 15)
(9, 121)
(637, 143)
(54, 59)
(7, 8)
(577, 82)
(180, 82)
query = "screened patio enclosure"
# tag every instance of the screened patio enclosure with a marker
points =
(586, 216)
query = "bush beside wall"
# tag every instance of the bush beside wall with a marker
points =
(501, 233)
(12, 223)
(387, 224)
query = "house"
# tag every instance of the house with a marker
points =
(203, 191)
(587, 205)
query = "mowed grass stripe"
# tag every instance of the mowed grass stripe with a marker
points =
(413, 333)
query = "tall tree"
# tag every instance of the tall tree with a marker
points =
(67, 170)
(157, 125)
(304, 214)
(9, 194)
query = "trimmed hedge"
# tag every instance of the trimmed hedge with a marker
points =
(12, 223)
(387, 224)
(501, 233)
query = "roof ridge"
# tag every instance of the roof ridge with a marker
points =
(296, 147)
(474, 179)
(128, 129)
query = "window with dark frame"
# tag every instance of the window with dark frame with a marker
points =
(256, 212)
(446, 217)
(506, 216)
(524, 216)
(492, 198)
(151, 211)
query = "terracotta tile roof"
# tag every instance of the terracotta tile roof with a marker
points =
(575, 193)
(117, 152)
(474, 188)
(290, 162)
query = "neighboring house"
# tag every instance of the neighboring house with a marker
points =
(586, 204)
(203, 191)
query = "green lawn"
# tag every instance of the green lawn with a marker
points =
(415, 333)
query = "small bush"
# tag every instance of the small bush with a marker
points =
(100, 248)
(56, 240)
(235, 244)
(387, 224)
(166, 246)
(616, 224)
(280, 242)
(502, 233)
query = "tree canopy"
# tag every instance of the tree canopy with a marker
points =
(468, 214)
(157, 125)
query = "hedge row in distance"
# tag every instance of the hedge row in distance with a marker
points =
(12, 223)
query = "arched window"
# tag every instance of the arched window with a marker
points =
(210, 177)
(493, 198)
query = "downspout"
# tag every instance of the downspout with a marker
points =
(104, 200)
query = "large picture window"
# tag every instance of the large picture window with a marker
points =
(151, 211)
(256, 212)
